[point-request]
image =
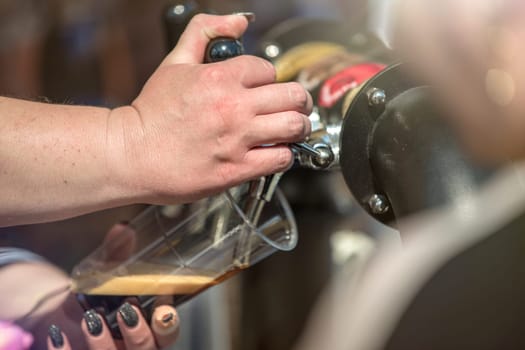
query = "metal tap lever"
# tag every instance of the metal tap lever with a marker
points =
(320, 155)
(307, 149)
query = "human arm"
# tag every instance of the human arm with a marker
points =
(51, 154)
(194, 130)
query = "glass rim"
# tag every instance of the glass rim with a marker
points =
(291, 241)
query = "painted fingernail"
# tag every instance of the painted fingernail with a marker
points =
(129, 315)
(56, 336)
(165, 322)
(167, 317)
(124, 222)
(250, 16)
(93, 322)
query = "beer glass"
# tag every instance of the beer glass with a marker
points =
(181, 250)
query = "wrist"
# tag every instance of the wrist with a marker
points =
(124, 142)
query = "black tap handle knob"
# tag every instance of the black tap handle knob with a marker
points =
(221, 49)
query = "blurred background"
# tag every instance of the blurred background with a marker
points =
(100, 52)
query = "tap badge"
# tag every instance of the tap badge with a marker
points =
(348, 79)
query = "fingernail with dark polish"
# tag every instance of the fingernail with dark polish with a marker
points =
(129, 315)
(124, 222)
(56, 336)
(93, 322)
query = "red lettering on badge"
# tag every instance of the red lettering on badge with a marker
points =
(337, 86)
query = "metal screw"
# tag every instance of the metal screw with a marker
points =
(179, 9)
(378, 204)
(272, 51)
(376, 97)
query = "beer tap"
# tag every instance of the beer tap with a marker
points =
(317, 156)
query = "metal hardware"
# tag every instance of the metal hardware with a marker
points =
(376, 97)
(378, 204)
(318, 156)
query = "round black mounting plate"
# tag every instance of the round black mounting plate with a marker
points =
(358, 124)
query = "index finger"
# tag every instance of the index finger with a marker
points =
(251, 71)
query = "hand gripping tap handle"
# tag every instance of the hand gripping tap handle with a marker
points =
(220, 49)
(262, 190)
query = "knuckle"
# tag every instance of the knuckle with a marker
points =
(200, 19)
(268, 68)
(296, 125)
(244, 63)
(227, 174)
(141, 339)
(252, 64)
(284, 158)
(228, 27)
(230, 112)
(215, 73)
(298, 94)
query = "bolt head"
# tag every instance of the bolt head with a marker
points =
(376, 97)
(272, 50)
(378, 204)
(179, 9)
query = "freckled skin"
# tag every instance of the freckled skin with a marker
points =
(194, 130)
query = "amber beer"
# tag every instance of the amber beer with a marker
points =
(182, 285)
(176, 256)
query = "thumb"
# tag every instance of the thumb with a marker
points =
(201, 29)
